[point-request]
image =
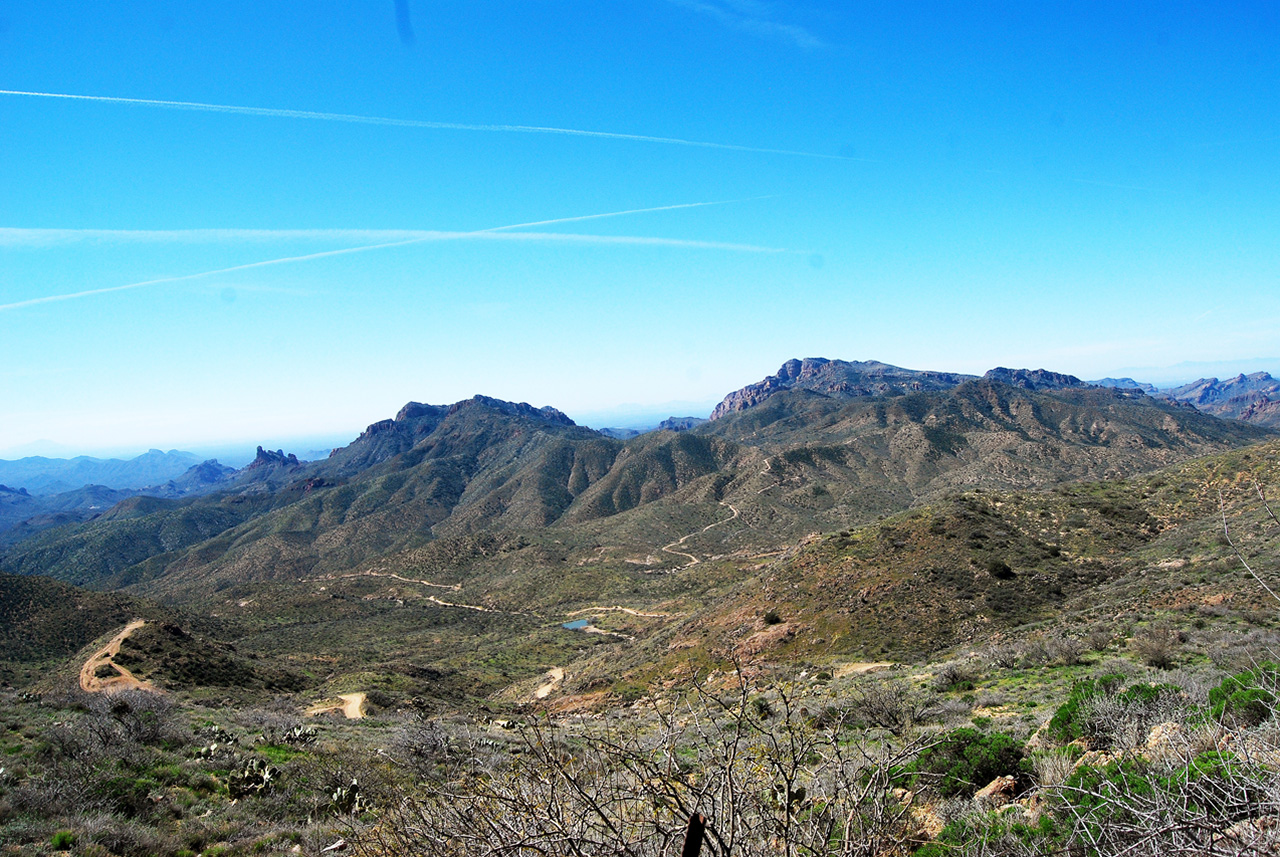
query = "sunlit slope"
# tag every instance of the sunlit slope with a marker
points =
(797, 462)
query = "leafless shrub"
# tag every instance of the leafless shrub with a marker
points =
(1005, 656)
(1123, 722)
(990, 698)
(422, 746)
(1064, 651)
(955, 675)
(951, 711)
(1152, 805)
(272, 723)
(143, 716)
(766, 787)
(123, 837)
(1099, 637)
(1240, 651)
(1052, 767)
(1157, 645)
(889, 704)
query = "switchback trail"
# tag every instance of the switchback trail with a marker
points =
(92, 683)
(478, 608)
(693, 560)
(453, 587)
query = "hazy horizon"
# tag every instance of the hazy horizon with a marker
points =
(238, 451)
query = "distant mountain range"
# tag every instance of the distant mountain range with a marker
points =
(40, 475)
(820, 445)
(447, 545)
(807, 402)
(1253, 398)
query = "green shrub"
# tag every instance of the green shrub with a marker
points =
(994, 834)
(63, 840)
(1247, 698)
(966, 760)
(1140, 701)
(1067, 722)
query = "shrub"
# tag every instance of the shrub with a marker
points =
(1000, 570)
(1097, 710)
(1067, 723)
(1156, 646)
(956, 675)
(966, 760)
(63, 840)
(891, 705)
(1247, 698)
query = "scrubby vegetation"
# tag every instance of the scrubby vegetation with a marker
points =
(1083, 670)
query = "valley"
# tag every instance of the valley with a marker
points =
(473, 574)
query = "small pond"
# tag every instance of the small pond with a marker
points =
(576, 624)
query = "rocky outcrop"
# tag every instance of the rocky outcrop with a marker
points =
(515, 409)
(680, 423)
(267, 458)
(1126, 384)
(1033, 379)
(838, 378)
(1253, 398)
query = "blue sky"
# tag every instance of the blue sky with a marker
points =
(1091, 188)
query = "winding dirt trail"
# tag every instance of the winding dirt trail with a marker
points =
(351, 706)
(555, 675)
(91, 682)
(626, 610)
(768, 465)
(453, 587)
(693, 560)
(478, 608)
(861, 668)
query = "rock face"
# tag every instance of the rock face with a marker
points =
(515, 409)
(267, 458)
(1126, 384)
(680, 423)
(1033, 379)
(996, 793)
(838, 378)
(1253, 398)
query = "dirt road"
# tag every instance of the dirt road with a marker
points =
(91, 682)
(555, 675)
(351, 706)
(693, 560)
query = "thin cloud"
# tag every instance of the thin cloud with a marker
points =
(752, 17)
(417, 123)
(498, 233)
(21, 237)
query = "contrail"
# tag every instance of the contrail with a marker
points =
(20, 237)
(420, 123)
(495, 232)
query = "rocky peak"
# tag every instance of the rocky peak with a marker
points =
(515, 409)
(840, 378)
(416, 410)
(1033, 379)
(680, 423)
(267, 458)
